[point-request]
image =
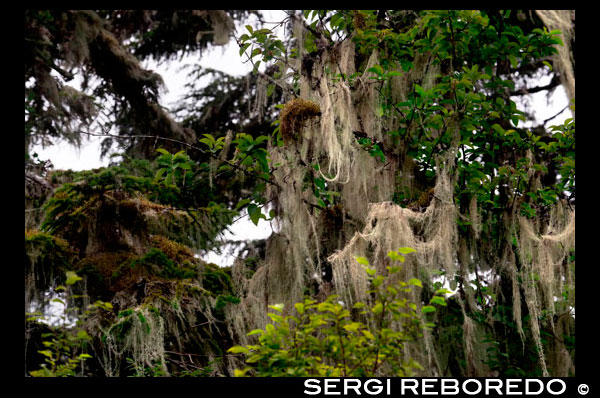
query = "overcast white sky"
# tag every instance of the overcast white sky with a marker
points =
(227, 59)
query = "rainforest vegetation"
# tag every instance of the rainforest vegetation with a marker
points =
(424, 220)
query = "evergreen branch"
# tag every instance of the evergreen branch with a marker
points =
(211, 154)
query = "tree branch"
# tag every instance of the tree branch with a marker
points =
(213, 155)
(555, 82)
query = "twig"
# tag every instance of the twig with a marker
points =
(550, 118)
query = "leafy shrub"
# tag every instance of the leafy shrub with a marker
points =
(327, 339)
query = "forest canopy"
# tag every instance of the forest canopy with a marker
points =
(423, 218)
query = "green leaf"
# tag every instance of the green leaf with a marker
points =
(395, 256)
(206, 141)
(353, 327)
(255, 52)
(427, 308)
(240, 372)
(275, 317)
(438, 300)
(244, 47)
(362, 260)
(415, 282)
(72, 278)
(238, 350)
(254, 213)
(498, 128)
(84, 356)
(368, 334)
(262, 31)
(376, 70)
(255, 357)
(255, 331)
(277, 307)
(377, 308)
(377, 281)
(406, 250)
(160, 173)
(419, 90)
(242, 203)
(46, 353)
(163, 151)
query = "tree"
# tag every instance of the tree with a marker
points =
(396, 129)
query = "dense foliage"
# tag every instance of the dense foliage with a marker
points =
(358, 133)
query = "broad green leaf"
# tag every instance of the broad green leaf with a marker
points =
(238, 350)
(406, 250)
(377, 308)
(239, 372)
(255, 52)
(419, 90)
(498, 128)
(46, 353)
(353, 327)
(254, 213)
(242, 203)
(438, 300)
(368, 334)
(277, 307)
(244, 47)
(206, 141)
(262, 31)
(377, 281)
(427, 308)
(160, 173)
(72, 278)
(395, 256)
(275, 317)
(376, 70)
(415, 282)
(362, 260)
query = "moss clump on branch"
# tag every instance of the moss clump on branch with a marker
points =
(293, 116)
